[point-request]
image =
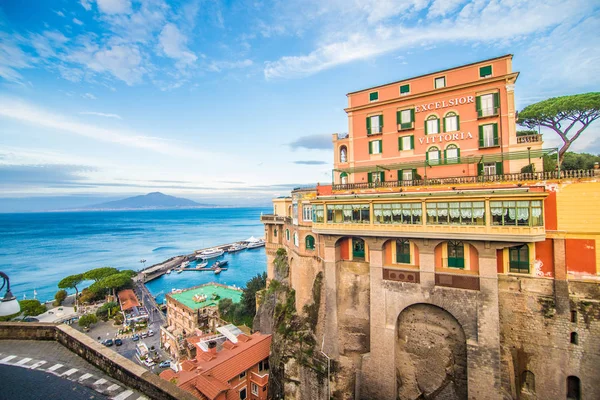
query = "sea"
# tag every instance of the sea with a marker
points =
(37, 250)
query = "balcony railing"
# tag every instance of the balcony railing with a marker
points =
(275, 219)
(516, 177)
(406, 126)
(343, 135)
(529, 139)
(487, 112)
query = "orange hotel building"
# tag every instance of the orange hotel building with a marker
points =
(449, 270)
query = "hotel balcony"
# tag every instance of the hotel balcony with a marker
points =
(275, 219)
(536, 138)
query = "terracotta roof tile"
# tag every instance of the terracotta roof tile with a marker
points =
(128, 299)
(167, 374)
(210, 386)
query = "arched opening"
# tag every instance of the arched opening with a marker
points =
(451, 122)
(343, 154)
(528, 382)
(574, 338)
(289, 213)
(433, 155)
(430, 354)
(358, 248)
(343, 178)
(310, 242)
(400, 251)
(456, 254)
(452, 154)
(296, 241)
(287, 235)
(573, 388)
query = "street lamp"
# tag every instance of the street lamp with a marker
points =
(9, 304)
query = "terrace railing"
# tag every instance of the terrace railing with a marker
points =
(529, 138)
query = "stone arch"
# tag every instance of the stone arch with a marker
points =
(443, 254)
(343, 154)
(349, 248)
(391, 252)
(430, 354)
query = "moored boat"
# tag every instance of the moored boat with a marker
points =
(218, 270)
(202, 264)
(169, 271)
(219, 264)
(236, 247)
(256, 244)
(211, 253)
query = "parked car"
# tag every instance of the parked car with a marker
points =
(108, 342)
(118, 342)
(135, 337)
(144, 334)
(150, 332)
(165, 364)
(148, 361)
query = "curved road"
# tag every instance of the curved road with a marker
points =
(26, 384)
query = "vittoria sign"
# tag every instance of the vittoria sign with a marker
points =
(436, 105)
(445, 137)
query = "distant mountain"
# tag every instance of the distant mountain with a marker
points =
(154, 200)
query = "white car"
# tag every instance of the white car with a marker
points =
(150, 332)
(144, 334)
(148, 361)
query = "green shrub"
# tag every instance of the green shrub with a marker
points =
(59, 297)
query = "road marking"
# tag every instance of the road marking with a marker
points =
(7, 359)
(55, 367)
(23, 361)
(142, 398)
(84, 377)
(123, 395)
(37, 364)
(70, 372)
(100, 382)
(113, 387)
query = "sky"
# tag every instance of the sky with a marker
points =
(235, 102)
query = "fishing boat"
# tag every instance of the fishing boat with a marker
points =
(236, 247)
(255, 244)
(211, 253)
(219, 264)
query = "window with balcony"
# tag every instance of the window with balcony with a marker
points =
(348, 213)
(485, 72)
(440, 82)
(488, 135)
(402, 251)
(517, 213)
(310, 242)
(374, 124)
(406, 143)
(375, 147)
(487, 105)
(343, 154)
(358, 248)
(452, 154)
(407, 175)
(433, 156)
(343, 178)
(397, 213)
(318, 213)
(376, 177)
(456, 254)
(451, 122)
(456, 213)
(489, 169)
(519, 259)
(307, 212)
(404, 89)
(254, 389)
(405, 119)
(432, 125)
(373, 96)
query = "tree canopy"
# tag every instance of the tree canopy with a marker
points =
(87, 319)
(568, 116)
(60, 296)
(97, 274)
(112, 282)
(71, 282)
(259, 282)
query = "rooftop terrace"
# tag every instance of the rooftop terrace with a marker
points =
(213, 292)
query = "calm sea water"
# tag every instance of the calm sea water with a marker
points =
(37, 250)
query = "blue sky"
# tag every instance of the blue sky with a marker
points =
(236, 101)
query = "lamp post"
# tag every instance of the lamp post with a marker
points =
(9, 304)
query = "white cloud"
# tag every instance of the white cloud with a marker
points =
(123, 61)
(89, 96)
(114, 6)
(59, 13)
(174, 45)
(13, 58)
(76, 21)
(101, 114)
(217, 66)
(441, 8)
(86, 4)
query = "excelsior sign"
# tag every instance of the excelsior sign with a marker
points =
(436, 105)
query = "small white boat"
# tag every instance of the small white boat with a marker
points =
(169, 271)
(202, 264)
(184, 264)
(218, 271)
(180, 270)
(256, 244)
(236, 247)
(211, 253)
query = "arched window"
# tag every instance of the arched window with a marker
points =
(528, 382)
(310, 242)
(452, 154)
(358, 248)
(433, 155)
(343, 154)
(451, 122)
(519, 259)
(456, 254)
(402, 251)
(275, 232)
(296, 243)
(287, 235)
(573, 388)
(432, 125)
(344, 178)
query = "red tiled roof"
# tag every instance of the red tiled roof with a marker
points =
(167, 374)
(189, 365)
(128, 299)
(210, 386)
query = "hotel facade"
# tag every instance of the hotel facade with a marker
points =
(453, 265)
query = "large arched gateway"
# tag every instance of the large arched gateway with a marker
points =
(431, 354)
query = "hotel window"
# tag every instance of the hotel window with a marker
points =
(432, 125)
(407, 175)
(489, 169)
(451, 122)
(452, 154)
(287, 235)
(318, 213)
(404, 89)
(373, 96)
(521, 213)
(348, 213)
(397, 213)
(406, 143)
(296, 242)
(519, 259)
(456, 213)
(433, 156)
(402, 251)
(254, 389)
(376, 177)
(405, 119)
(344, 178)
(374, 124)
(343, 154)
(487, 105)
(488, 135)
(375, 147)
(440, 82)
(456, 254)
(310, 242)
(307, 213)
(243, 394)
(485, 72)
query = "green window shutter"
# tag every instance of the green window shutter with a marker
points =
(444, 124)
(400, 175)
(380, 146)
(445, 157)
(369, 177)
(478, 105)
(480, 169)
(400, 144)
(398, 117)
(495, 134)
(458, 155)
(412, 142)
(370, 147)
(381, 176)
(438, 124)
(373, 96)
(485, 71)
(426, 130)
(496, 102)
(414, 174)
(412, 115)
(499, 169)
(457, 123)
(404, 89)
(427, 155)
(480, 136)
(381, 122)
(368, 125)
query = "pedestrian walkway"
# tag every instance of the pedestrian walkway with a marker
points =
(64, 364)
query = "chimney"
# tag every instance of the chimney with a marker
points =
(212, 347)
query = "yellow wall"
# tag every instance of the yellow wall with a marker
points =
(577, 207)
